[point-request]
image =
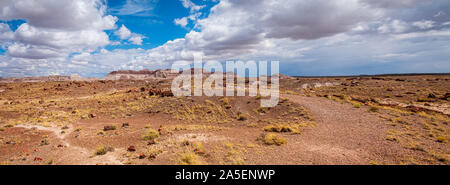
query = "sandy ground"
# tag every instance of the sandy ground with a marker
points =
(343, 135)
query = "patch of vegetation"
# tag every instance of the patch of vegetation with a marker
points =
(357, 105)
(51, 161)
(373, 109)
(441, 139)
(102, 150)
(225, 101)
(392, 136)
(101, 132)
(242, 117)
(198, 147)
(153, 153)
(150, 135)
(261, 110)
(281, 128)
(282, 100)
(188, 158)
(273, 139)
(193, 128)
(423, 100)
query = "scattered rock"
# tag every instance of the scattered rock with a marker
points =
(65, 127)
(199, 152)
(431, 95)
(414, 108)
(159, 92)
(125, 125)
(44, 142)
(185, 143)
(60, 146)
(152, 156)
(151, 142)
(131, 149)
(92, 115)
(362, 100)
(37, 159)
(446, 96)
(142, 156)
(160, 130)
(109, 127)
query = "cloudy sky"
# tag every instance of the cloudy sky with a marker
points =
(308, 37)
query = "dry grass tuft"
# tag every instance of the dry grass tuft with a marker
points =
(273, 139)
(281, 128)
(150, 135)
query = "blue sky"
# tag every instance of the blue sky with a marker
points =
(156, 22)
(342, 37)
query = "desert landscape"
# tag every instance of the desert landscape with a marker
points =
(131, 117)
(236, 86)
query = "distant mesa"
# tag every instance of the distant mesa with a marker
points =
(50, 78)
(117, 75)
(140, 75)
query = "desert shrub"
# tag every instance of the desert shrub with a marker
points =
(373, 109)
(50, 161)
(271, 139)
(424, 100)
(357, 105)
(153, 153)
(188, 158)
(261, 110)
(225, 101)
(198, 146)
(284, 100)
(258, 96)
(209, 102)
(281, 128)
(100, 150)
(150, 135)
(441, 139)
(242, 117)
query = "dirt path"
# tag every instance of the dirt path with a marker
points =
(343, 135)
(71, 154)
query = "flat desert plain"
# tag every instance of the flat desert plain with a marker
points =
(331, 120)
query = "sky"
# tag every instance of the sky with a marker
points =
(308, 37)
